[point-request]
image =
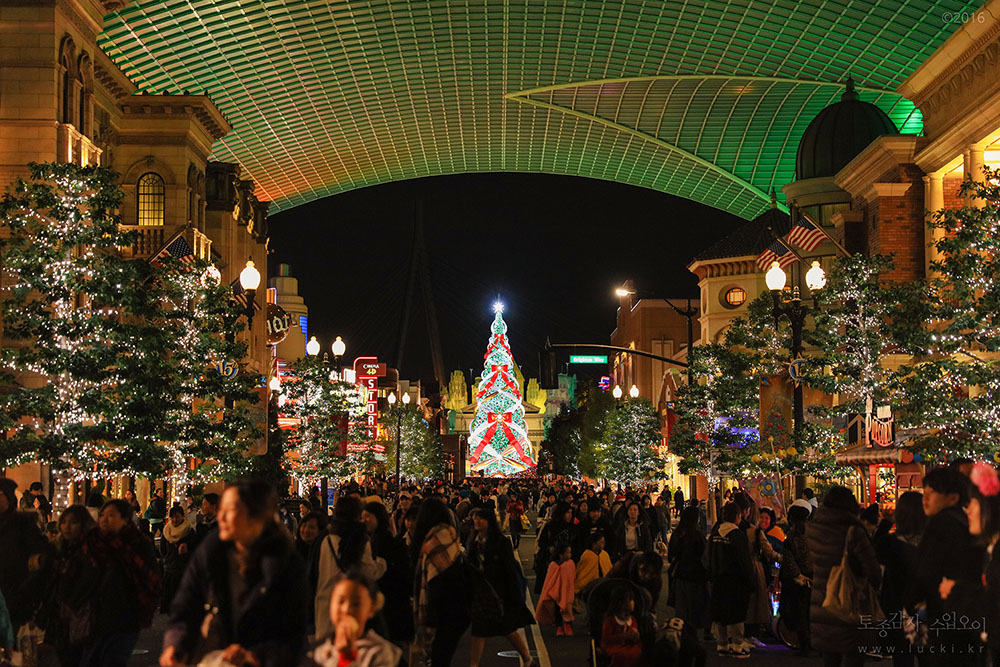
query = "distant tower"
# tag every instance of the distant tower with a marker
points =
(420, 272)
(287, 296)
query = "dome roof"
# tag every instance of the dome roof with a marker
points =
(838, 133)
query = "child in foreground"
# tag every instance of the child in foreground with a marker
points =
(620, 632)
(354, 602)
(555, 604)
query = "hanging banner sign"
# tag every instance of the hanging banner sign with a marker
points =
(278, 323)
(368, 370)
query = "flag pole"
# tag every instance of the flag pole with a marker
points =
(823, 231)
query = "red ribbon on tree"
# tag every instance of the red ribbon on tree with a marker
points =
(498, 370)
(501, 419)
(498, 340)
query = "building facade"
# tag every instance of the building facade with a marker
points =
(62, 99)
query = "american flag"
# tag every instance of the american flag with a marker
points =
(776, 252)
(240, 295)
(178, 248)
(806, 235)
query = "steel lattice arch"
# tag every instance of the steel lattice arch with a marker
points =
(701, 99)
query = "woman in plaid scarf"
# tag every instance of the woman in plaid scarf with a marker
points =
(120, 567)
(441, 616)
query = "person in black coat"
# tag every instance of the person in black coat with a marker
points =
(594, 522)
(244, 592)
(397, 582)
(651, 517)
(178, 543)
(120, 579)
(946, 550)
(897, 553)
(631, 533)
(688, 576)
(834, 528)
(492, 552)
(24, 552)
(732, 576)
(796, 574)
(979, 599)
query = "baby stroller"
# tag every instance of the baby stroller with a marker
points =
(598, 601)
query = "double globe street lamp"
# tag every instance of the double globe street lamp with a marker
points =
(796, 311)
(399, 425)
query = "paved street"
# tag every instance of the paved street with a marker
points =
(551, 650)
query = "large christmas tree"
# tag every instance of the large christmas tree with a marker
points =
(498, 437)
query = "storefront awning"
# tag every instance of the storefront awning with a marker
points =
(864, 455)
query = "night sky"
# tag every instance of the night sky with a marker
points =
(553, 248)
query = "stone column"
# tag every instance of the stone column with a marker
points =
(933, 202)
(975, 161)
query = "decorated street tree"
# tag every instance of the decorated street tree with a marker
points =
(952, 388)
(854, 324)
(210, 430)
(718, 414)
(89, 378)
(572, 436)
(110, 359)
(629, 449)
(498, 437)
(329, 414)
(421, 456)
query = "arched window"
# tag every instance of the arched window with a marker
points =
(66, 104)
(151, 199)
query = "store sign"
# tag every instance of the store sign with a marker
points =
(873, 428)
(278, 323)
(882, 427)
(588, 359)
(368, 370)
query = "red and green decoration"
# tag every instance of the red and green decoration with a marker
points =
(498, 436)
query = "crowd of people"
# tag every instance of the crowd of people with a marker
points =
(389, 577)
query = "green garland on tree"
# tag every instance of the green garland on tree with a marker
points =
(329, 413)
(96, 344)
(629, 449)
(421, 453)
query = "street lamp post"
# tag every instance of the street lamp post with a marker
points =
(634, 392)
(338, 348)
(796, 311)
(399, 426)
(250, 281)
(688, 312)
(312, 347)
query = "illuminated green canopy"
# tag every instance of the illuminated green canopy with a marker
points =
(702, 99)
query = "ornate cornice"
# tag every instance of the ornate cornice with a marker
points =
(110, 82)
(197, 107)
(85, 24)
(724, 267)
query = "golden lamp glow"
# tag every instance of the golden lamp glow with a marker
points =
(775, 278)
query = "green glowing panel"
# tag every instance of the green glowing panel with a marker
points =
(587, 359)
(706, 100)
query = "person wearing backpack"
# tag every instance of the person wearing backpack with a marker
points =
(833, 530)
(732, 575)
(346, 548)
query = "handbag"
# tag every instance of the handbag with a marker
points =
(485, 606)
(848, 596)
(525, 522)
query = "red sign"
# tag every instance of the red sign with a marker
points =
(368, 367)
(368, 370)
